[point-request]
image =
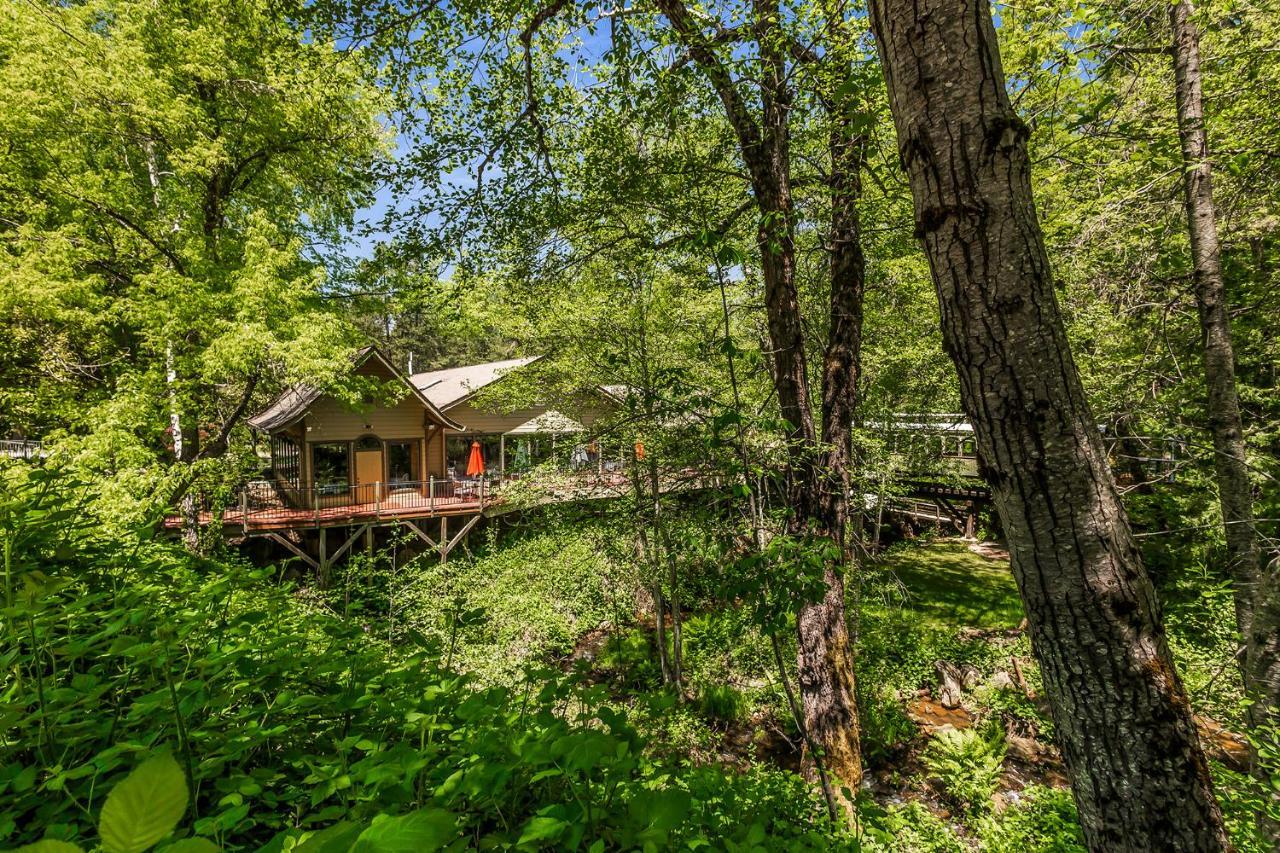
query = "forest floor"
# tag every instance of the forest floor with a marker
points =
(926, 607)
(949, 691)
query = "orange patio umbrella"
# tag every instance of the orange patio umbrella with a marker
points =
(475, 462)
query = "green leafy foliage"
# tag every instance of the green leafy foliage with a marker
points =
(144, 807)
(910, 828)
(721, 704)
(967, 763)
(885, 727)
(525, 602)
(288, 720)
(1042, 820)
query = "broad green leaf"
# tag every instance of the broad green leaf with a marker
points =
(50, 845)
(191, 845)
(425, 829)
(542, 828)
(144, 808)
(333, 839)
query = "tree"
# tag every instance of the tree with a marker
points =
(1124, 721)
(169, 176)
(1257, 594)
(511, 128)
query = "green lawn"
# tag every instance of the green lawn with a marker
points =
(946, 584)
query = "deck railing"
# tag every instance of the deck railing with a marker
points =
(268, 503)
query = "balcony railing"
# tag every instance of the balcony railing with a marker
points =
(267, 503)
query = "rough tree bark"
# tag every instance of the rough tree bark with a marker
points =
(1257, 599)
(825, 657)
(1139, 775)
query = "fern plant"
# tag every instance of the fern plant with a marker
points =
(967, 762)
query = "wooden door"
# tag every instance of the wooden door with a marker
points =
(368, 472)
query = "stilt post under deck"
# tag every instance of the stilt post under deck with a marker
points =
(444, 538)
(324, 559)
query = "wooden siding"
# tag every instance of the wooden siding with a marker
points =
(476, 420)
(435, 455)
(329, 420)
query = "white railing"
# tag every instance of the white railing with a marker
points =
(20, 449)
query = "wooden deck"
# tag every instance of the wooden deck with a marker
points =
(262, 506)
(285, 518)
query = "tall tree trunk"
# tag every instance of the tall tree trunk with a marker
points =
(825, 658)
(1257, 607)
(1140, 778)
(823, 631)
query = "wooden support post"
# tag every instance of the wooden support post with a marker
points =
(422, 534)
(323, 565)
(351, 540)
(298, 552)
(368, 538)
(377, 499)
(452, 543)
(431, 494)
(244, 509)
(444, 537)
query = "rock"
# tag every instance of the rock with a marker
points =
(950, 683)
(1025, 749)
(931, 715)
(1002, 681)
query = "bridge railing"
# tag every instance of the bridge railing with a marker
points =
(21, 449)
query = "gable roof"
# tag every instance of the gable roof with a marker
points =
(294, 402)
(455, 385)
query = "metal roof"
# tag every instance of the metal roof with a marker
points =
(294, 402)
(447, 388)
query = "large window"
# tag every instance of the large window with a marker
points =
(402, 462)
(457, 450)
(331, 464)
(286, 461)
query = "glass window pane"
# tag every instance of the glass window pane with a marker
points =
(458, 454)
(400, 459)
(331, 464)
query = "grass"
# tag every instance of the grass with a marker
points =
(947, 585)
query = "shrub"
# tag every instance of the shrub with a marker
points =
(910, 828)
(1245, 799)
(536, 595)
(1043, 820)
(721, 704)
(968, 763)
(886, 728)
(632, 657)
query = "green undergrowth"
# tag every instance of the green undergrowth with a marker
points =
(286, 719)
(528, 599)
